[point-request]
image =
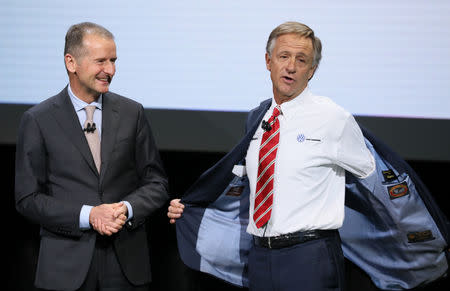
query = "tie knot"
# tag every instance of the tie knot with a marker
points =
(90, 112)
(276, 112)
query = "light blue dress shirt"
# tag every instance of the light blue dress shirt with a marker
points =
(79, 106)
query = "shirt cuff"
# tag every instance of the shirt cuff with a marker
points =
(84, 216)
(130, 210)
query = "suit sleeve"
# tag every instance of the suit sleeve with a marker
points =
(152, 193)
(31, 194)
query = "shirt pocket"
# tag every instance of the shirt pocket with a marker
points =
(309, 150)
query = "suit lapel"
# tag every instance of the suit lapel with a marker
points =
(67, 118)
(254, 121)
(110, 122)
(258, 116)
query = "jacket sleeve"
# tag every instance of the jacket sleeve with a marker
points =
(153, 190)
(32, 197)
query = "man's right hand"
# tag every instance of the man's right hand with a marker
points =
(175, 210)
(108, 219)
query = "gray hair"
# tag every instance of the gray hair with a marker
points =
(301, 30)
(75, 34)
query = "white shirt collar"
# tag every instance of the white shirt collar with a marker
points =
(289, 108)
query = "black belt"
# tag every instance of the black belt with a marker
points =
(290, 239)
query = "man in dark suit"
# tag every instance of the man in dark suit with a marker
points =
(89, 173)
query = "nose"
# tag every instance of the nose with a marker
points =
(290, 68)
(110, 68)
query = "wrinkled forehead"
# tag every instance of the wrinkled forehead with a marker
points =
(294, 43)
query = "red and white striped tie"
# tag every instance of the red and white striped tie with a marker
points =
(266, 170)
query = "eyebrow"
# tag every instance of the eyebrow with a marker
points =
(101, 59)
(301, 54)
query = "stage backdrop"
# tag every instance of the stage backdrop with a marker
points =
(389, 59)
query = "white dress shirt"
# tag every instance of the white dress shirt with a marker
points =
(319, 140)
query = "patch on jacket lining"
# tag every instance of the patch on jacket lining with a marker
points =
(399, 190)
(235, 191)
(420, 236)
(389, 175)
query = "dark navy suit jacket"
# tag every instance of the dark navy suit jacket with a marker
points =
(56, 175)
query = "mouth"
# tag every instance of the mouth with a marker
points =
(105, 79)
(287, 79)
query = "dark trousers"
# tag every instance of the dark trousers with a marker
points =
(105, 273)
(314, 265)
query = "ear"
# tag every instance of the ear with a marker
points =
(311, 72)
(268, 62)
(71, 64)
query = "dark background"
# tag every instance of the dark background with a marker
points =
(21, 238)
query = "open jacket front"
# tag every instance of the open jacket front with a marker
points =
(393, 228)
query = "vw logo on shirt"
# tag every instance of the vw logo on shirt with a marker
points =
(301, 137)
